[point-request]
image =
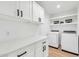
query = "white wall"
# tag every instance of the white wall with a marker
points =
(74, 11)
(14, 30)
(78, 19)
(10, 30)
(45, 26)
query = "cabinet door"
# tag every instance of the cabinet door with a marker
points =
(39, 49)
(45, 48)
(38, 13)
(9, 8)
(35, 11)
(26, 10)
(41, 14)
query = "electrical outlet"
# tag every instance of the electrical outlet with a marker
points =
(7, 33)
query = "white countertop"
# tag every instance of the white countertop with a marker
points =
(12, 45)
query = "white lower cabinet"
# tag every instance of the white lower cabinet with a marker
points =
(27, 51)
(38, 49)
(41, 49)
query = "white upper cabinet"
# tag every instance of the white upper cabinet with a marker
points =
(38, 12)
(19, 9)
(9, 8)
(26, 10)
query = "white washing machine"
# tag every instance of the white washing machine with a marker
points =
(53, 38)
(69, 41)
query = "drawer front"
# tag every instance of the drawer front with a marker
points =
(30, 51)
(27, 51)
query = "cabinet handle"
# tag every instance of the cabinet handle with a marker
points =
(17, 12)
(21, 13)
(22, 54)
(44, 48)
(44, 42)
(39, 19)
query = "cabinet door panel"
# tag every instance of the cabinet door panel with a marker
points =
(41, 14)
(9, 8)
(35, 11)
(26, 8)
(38, 12)
(39, 49)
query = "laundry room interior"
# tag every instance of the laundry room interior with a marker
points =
(39, 28)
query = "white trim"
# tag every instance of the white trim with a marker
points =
(63, 16)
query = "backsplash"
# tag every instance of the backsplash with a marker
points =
(14, 30)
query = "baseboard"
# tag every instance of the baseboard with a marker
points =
(53, 47)
(70, 52)
(65, 50)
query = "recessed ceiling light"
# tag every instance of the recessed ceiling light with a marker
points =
(58, 6)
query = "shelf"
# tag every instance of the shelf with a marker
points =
(54, 24)
(69, 24)
(64, 24)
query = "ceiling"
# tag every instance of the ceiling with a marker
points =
(51, 6)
